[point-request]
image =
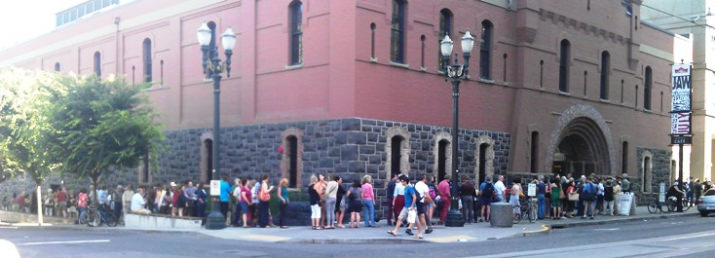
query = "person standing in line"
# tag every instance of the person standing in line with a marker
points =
(331, 192)
(245, 201)
(444, 195)
(423, 194)
(127, 199)
(398, 201)
(570, 190)
(368, 196)
(625, 184)
(151, 198)
(254, 195)
(200, 201)
(340, 205)
(515, 195)
(174, 199)
(541, 197)
(82, 201)
(354, 196)
(608, 197)
(225, 192)
(697, 189)
(431, 205)
(117, 202)
(466, 191)
(314, 202)
(600, 194)
(61, 202)
(190, 194)
(390, 192)
(284, 200)
(236, 194)
(264, 198)
(500, 189)
(321, 192)
(487, 193)
(589, 196)
(556, 197)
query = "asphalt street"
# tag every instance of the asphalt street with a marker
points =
(677, 237)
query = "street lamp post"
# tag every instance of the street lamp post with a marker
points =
(214, 68)
(456, 72)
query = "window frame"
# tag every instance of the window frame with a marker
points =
(397, 31)
(295, 22)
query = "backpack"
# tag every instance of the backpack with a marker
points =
(488, 191)
(432, 193)
(589, 192)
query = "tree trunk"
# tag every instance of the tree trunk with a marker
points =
(39, 204)
(94, 178)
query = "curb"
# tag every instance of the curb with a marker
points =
(355, 241)
(618, 220)
(545, 229)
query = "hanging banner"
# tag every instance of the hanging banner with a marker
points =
(681, 88)
(680, 117)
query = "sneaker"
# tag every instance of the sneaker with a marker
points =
(591, 217)
(584, 217)
(429, 230)
(409, 232)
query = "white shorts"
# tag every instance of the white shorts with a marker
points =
(315, 211)
(403, 213)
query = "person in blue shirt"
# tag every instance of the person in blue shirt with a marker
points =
(225, 192)
(410, 205)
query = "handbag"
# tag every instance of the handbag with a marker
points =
(411, 216)
(561, 194)
(264, 196)
(573, 196)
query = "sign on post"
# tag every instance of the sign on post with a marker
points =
(680, 114)
(215, 187)
(531, 190)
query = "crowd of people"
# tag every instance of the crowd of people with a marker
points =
(411, 204)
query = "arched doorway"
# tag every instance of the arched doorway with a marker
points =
(582, 150)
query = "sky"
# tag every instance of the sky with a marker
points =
(21, 20)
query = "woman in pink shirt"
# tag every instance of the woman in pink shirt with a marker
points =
(368, 201)
(444, 195)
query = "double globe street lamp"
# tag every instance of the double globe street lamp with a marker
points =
(455, 72)
(214, 68)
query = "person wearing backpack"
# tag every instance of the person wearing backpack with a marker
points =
(486, 190)
(589, 196)
(467, 191)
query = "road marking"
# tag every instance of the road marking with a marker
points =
(8, 227)
(73, 242)
(690, 236)
(606, 229)
(264, 238)
(450, 239)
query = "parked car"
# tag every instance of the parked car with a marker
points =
(706, 203)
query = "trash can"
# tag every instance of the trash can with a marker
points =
(502, 215)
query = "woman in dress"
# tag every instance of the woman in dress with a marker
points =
(515, 194)
(355, 204)
(556, 199)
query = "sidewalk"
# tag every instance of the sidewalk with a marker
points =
(469, 233)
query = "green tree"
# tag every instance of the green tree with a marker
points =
(103, 126)
(25, 142)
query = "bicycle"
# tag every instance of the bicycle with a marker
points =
(97, 216)
(670, 203)
(528, 210)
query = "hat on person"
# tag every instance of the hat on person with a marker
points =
(120, 187)
(172, 184)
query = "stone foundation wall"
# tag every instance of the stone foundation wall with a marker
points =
(660, 172)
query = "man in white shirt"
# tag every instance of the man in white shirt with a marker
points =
(138, 202)
(500, 189)
(423, 191)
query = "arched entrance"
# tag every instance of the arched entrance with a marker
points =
(582, 150)
(581, 144)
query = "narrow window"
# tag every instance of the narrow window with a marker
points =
(646, 174)
(622, 82)
(485, 51)
(372, 40)
(661, 102)
(293, 161)
(146, 45)
(396, 151)
(585, 83)
(588, 5)
(422, 51)
(161, 71)
(636, 104)
(505, 56)
(296, 32)
(605, 69)
(636, 23)
(565, 53)
(541, 74)
(534, 152)
(624, 158)
(57, 67)
(483, 161)
(442, 159)
(445, 28)
(397, 38)
(647, 86)
(133, 75)
(98, 64)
